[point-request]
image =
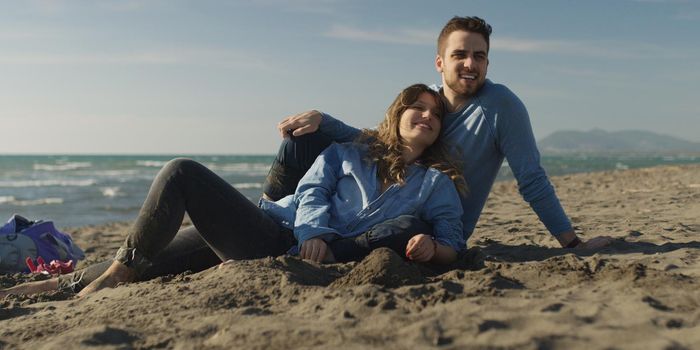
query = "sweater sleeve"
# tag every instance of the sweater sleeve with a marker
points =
(443, 210)
(517, 142)
(337, 130)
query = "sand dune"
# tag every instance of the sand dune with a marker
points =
(514, 290)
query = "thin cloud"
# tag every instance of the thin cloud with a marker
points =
(596, 49)
(325, 7)
(663, 1)
(52, 7)
(688, 16)
(48, 6)
(529, 92)
(221, 58)
(88, 59)
(606, 78)
(599, 49)
(510, 44)
(125, 5)
(401, 36)
(25, 34)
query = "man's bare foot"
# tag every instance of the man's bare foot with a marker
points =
(31, 287)
(115, 274)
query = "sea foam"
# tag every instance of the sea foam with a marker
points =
(47, 183)
(248, 185)
(249, 169)
(151, 163)
(111, 191)
(6, 199)
(63, 166)
(31, 202)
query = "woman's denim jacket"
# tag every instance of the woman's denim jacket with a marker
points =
(340, 196)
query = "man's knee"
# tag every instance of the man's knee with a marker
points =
(295, 156)
(301, 151)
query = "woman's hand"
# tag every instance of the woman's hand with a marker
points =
(421, 248)
(314, 249)
(302, 123)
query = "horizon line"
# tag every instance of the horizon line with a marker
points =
(175, 154)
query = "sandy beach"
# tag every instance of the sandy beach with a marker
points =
(514, 290)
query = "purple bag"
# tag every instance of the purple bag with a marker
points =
(21, 238)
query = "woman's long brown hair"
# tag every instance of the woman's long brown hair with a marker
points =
(385, 143)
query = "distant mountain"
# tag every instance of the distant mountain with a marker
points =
(601, 141)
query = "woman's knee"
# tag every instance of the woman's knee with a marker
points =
(180, 166)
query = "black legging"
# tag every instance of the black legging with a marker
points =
(186, 252)
(226, 226)
(232, 226)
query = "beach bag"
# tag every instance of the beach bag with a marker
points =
(21, 238)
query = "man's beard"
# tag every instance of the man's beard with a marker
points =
(466, 91)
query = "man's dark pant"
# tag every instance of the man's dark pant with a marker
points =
(294, 158)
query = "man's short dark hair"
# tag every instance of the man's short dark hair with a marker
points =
(468, 24)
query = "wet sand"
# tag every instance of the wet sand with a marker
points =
(514, 290)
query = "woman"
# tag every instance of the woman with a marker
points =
(401, 168)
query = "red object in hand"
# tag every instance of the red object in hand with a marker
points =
(55, 267)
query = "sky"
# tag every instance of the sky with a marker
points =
(215, 77)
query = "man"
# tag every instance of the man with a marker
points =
(486, 124)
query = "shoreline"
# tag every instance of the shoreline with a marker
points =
(498, 181)
(637, 293)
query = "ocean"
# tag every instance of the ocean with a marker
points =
(78, 190)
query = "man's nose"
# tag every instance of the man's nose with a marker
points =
(468, 62)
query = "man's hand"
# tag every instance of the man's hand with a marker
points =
(595, 243)
(421, 248)
(302, 123)
(314, 249)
